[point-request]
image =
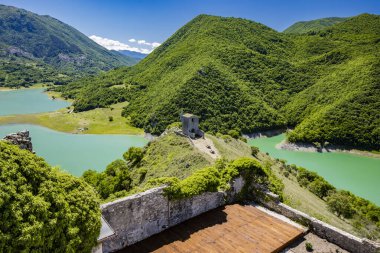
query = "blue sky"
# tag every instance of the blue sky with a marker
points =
(150, 21)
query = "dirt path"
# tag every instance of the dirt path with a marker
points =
(206, 146)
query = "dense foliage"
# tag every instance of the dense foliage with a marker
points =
(45, 48)
(240, 75)
(313, 25)
(43, 209)
(342, 106)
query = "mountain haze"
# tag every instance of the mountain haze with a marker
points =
(31, 44)
(239, 74)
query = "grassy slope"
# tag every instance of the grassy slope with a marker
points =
(172, 155)
(97, 121)
(35, 48)
(302, 199)
(313, 25)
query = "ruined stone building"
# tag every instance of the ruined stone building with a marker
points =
(190, 125)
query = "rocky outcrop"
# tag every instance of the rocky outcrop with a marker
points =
(21, 139)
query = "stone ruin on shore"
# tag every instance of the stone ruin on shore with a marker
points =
(21, 139)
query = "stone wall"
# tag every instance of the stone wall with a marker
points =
(137, 217)
(341, 238)
(21, 139)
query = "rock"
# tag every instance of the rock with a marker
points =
(21, 139)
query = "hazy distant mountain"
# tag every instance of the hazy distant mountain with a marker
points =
(133, 54)
(35, 48)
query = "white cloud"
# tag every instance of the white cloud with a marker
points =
(132, 40)
(155, 44)
(143, 42)
(117, 45)
(151, 44)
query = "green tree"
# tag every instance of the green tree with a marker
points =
(44, 209)
(254, 150)
(134, 155)
(341, 203)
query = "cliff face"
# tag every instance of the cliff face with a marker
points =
(21, 139)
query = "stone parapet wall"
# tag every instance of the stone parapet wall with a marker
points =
(334, 235)
(137, 217)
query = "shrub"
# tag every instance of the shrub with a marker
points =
(234, 134)
(254, 150)
(110, 118)
(174, 125)
(309, 246)
(134, 155)
(341, 203)
(44, 209)
(321, 187)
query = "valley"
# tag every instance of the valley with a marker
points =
(128, 135)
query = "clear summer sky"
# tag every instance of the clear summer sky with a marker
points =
(149, 21)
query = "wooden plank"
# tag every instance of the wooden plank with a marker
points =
(233, 228)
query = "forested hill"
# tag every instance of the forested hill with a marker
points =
(35, 48)
(231, 72)
(313, 25)
(342, 105)
(238, 74)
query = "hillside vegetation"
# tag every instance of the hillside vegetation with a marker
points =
(241, 75)
(35, 48)
(171, 159)
(341, 107)
(168, 156)
(313, 25)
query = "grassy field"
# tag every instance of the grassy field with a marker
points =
(90, 122)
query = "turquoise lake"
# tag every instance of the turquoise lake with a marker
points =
(358, 174)
(26, 101)
(76, 153)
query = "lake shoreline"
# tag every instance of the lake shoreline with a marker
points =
(307, 147)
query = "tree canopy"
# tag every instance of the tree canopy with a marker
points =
(42, 208)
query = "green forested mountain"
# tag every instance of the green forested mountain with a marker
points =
(238, 74)
(35, 48)
(342, 105)
(231, 72)
(313, 25)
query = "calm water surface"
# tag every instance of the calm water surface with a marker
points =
(26, 101)
(76, 153)
(358, 174)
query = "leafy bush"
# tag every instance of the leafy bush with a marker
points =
(254, 150)
(115, 178)
(309, 246)
(134, 155)
(341, 203)
(315, 183)
(44, 209)
(234, 134)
